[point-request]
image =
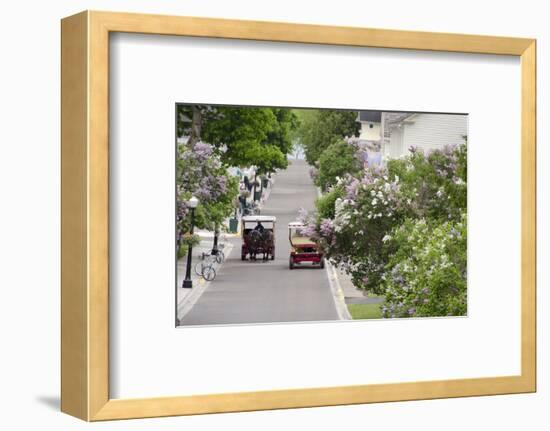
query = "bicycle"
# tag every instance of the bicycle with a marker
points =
(219, 255)
(205, 268)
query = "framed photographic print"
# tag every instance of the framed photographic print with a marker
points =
(248, 205)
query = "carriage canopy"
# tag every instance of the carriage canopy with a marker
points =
(250, 222)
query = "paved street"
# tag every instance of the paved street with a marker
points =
(254, 292)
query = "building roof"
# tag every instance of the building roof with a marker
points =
(393, 119)
(370, 116)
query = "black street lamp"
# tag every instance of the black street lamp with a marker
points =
(192, 204)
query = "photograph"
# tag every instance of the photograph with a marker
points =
(307, 214)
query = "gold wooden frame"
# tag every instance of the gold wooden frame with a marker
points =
(85, 226)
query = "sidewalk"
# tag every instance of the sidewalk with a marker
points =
(204, 247)
(187, 297)
(353, 295)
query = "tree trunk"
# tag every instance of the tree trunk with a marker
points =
(261, 187)
(196, 125)
(215, 245)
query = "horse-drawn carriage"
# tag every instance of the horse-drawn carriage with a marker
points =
(258, 235)
(302, 248)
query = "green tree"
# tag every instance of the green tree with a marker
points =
(243, 136)
(319, 129)
(337, 160)
(282, 134)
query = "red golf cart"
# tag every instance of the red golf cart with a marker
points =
(302, 248)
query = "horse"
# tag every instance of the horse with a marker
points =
(268, 245)
(260, 242)
(253, 243)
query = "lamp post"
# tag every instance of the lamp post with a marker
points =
(192, 204)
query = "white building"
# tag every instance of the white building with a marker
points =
(423, 131)
(393, 133)
(371, 126)
(370, 136)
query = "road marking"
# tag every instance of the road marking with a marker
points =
(337, 292)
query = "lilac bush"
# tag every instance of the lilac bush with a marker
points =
(426, 270)
(200, 173)
(359, 232)
(434, 182)
(368, 208)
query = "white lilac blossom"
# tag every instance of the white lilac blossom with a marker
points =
(439, 250)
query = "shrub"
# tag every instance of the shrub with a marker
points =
(419, 187)
(433, 185)
(426, 271)
(352, 238)
(326, 203)
(336, 161)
